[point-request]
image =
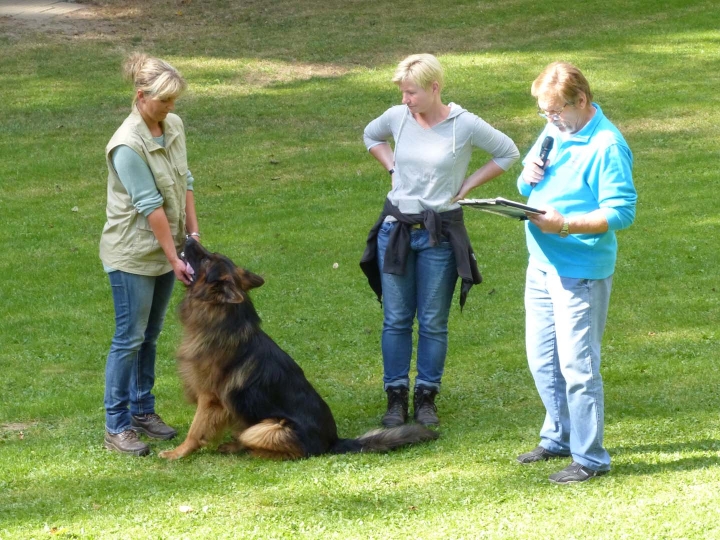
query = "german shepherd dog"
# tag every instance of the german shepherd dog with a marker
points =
(243, 381)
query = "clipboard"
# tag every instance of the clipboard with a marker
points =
(501, 207)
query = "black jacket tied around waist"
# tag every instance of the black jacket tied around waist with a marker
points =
(449, 224)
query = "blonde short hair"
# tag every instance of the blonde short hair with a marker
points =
(563, 80)
(420, 69)
(156, 78)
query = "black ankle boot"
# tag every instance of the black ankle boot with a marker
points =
(397, 408)
(424, 406)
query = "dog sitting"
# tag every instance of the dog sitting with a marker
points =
(242, 380)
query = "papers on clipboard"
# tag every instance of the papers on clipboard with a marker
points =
(501, 207)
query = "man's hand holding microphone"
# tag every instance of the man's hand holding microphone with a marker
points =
(534, 170)
(551, 221)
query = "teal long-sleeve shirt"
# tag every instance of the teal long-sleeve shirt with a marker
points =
(587, 171)
(138, 180)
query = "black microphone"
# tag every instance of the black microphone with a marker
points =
(545, 148)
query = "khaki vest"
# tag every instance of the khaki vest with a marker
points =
(127, 242)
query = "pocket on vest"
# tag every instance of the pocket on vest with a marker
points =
(145, 241)
(167, 188)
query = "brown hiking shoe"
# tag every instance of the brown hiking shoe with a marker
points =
(153, 426)
(397, 408)
(126, 442)
(425, 410)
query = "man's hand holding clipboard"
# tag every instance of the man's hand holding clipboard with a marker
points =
(502, 207)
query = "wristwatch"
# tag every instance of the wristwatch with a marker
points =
(565, 229)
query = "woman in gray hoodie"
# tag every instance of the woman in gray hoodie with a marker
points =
(419, 246)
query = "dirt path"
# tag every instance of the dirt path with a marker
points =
(45, 14)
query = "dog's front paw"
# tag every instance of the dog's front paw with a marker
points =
(170, 455)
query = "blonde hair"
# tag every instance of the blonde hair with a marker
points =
(156, 78)
(420, 69)
(561, 79)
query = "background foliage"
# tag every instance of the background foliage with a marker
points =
(279, 95)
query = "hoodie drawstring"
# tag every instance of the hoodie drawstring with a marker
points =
(397, 139)
(454, 120)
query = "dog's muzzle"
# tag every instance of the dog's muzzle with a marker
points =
(183, 258)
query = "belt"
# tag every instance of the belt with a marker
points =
(417, 226)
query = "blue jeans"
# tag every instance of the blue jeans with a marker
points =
(565, 320)
(140, 306)
(426, 289)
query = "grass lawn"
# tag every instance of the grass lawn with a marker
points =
(280, 92)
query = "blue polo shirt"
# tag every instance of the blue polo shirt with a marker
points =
(588, 170)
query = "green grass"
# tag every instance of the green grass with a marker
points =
(279, 95)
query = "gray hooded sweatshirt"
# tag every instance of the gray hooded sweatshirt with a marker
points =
(431, 164)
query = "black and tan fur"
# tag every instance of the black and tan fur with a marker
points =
(243, 381)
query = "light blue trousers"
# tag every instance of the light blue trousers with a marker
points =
(565, 320)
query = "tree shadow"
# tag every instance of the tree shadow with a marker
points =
(635, 461)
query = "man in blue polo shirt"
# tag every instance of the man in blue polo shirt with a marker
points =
(585, 187)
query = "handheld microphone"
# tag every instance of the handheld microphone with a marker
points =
(545, 148)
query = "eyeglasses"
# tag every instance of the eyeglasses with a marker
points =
(551, 115)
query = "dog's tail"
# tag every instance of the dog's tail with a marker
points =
(384, 440)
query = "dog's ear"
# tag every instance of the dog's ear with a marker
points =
(228, 293)
(222, 287)
(248, 279)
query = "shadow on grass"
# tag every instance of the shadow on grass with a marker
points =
(657, 458)
(362, 33)
(361, 487)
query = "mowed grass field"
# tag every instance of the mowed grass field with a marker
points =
(279, 94)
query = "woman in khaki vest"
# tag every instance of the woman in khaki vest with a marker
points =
(150, 209)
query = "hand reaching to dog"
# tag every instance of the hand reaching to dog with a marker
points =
(183, 271)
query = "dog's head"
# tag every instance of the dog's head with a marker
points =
(217, 279)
